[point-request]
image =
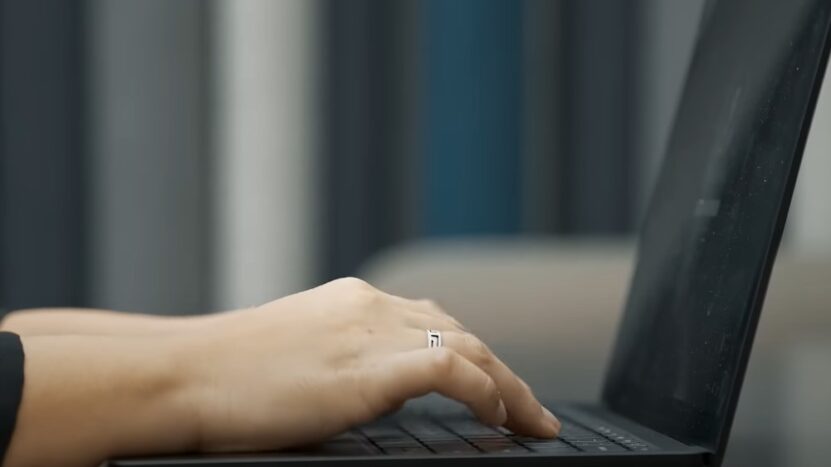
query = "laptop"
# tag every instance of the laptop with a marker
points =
(706, 250)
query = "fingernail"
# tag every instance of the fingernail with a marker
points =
(552, 421)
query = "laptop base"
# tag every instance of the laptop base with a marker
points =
(590, 436)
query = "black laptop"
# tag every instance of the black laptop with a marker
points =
(706, 250)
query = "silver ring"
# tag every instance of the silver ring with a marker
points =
(433, 338)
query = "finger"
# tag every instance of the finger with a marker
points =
(525, 414)
(412, 374)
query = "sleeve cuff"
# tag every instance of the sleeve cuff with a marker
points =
(11, 386)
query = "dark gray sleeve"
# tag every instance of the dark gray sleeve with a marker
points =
(11, 386)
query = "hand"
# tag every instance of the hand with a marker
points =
(308, 366)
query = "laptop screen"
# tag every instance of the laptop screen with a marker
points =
(716, 216)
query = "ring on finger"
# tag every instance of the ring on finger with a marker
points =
(433, 339)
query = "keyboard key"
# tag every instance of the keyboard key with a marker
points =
(426, 430)
(543, 442)
(587, 441)
(549, 446)
(531, 439)
(389, 436)
(623, 439)
(397, 443)
(582, 436)
(492, 441)
(470, 428)
(577, 442)
(477, 440)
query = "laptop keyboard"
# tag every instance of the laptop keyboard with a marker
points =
(461, 436)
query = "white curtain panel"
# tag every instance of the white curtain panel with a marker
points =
(810, 220)
(265, 191)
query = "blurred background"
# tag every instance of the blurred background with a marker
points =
(188, 156)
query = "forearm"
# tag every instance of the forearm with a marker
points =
(62, 321)
(88, 398)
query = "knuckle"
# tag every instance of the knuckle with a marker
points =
(431, 304)
(353, 283)
(444, 360)
(480, 353)
(360, 293)
(490, 389)
(435, 308)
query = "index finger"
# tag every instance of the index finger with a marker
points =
(416, 373)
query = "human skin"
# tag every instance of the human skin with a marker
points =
(291, 372)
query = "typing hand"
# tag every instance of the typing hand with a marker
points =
(310, 365)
